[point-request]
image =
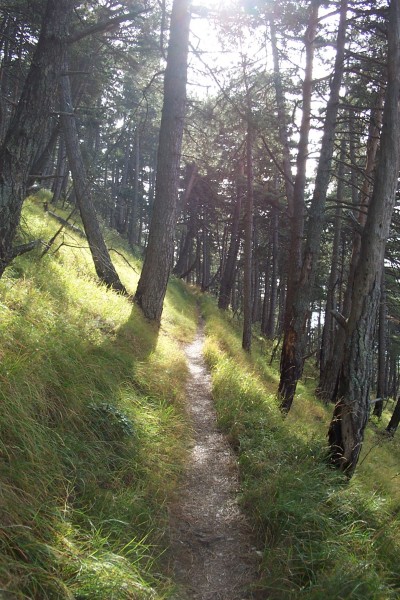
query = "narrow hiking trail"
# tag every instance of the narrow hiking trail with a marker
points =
(212, 554)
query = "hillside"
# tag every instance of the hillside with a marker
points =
(95, 436)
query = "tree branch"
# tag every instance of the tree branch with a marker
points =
(339, 318)
(105, 26)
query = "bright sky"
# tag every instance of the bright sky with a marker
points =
(209, 16)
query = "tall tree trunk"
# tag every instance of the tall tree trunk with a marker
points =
(329, 377)
(350, 416)
(101, 258)
(157, 265)
(288, 387)
(248, 242)
(294, 344)
(24, 134)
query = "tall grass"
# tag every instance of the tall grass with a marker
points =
(322, 537)
(92, 431)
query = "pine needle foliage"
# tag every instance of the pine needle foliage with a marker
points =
(321, 536)
(92, 428)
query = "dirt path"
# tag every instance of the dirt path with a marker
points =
(212, 554)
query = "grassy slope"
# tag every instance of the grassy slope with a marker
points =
(93, 439)
(92, 429)
(322, 538)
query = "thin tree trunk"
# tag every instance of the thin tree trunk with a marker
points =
(157, 265)
(228, 273)
(346, 432)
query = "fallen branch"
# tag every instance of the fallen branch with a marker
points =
(24, 248)
(66, 224)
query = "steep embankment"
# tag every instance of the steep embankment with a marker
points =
(92, 430)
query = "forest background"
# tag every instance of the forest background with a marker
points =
(287, 180)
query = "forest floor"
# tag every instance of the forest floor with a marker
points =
(213, 555)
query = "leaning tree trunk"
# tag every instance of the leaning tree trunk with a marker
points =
(157, 265)
(351, 412)
(295, 338)
(101, 258)
(24, 135)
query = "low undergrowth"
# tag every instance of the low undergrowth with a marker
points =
(92, 431)
(322, 537)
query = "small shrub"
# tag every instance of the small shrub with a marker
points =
(110, 423)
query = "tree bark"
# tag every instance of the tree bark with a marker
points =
(24, 134)
(351, 412)
(157, 265)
